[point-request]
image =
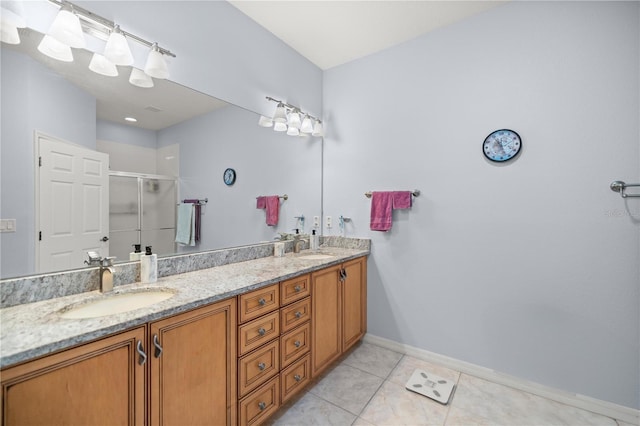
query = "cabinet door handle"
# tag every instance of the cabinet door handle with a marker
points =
(156, 343)
(297, 377)
(344, 271)
(298, 314)
(262, 405)
(262, 302)
(297, 288)
(262, 366)
(143, 356)
(297, 343)
(262, 331)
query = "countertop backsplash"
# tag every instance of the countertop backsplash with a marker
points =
(35, 288)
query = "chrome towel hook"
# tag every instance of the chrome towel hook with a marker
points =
(619, 186)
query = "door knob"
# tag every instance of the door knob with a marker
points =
(104, 239)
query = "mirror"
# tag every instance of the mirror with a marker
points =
(181, 136)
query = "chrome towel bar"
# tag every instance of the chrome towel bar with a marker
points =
(619, 186)
(415, 193)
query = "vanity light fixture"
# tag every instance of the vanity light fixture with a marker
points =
(71, 25)
(9, 34)
(287, 118)
(11, 15)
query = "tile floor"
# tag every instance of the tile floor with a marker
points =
(367, 388)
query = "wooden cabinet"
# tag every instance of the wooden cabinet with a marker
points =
(98, 383)
(193, 367)
(338, 296)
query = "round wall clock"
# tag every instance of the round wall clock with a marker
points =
(502, 145)
(229, 176)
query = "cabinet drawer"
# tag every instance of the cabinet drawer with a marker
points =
(259, 331)
(293, 315)
(258, 302)
(260, 404)
(257, 367)
(295, 377)
(294, 344)
(294, 289)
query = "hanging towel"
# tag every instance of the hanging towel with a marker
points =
(272, 204)
(197, 214)
(185, 229)
(381, 210)
(401, 199)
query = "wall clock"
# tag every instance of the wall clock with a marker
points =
(502, 145)
(229, 177)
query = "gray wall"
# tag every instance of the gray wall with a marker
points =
(33, 98)
(529, 268)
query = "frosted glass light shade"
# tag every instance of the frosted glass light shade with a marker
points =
(294, 119)
(318, 130)
(54, 49)
(9, 34)
(101, 65)
(66, 29)
(140, 79)
(307, 125)
(280, 116)
(156, 66)
(292, 131)
(265, 121)
(279, 127)
(117, 49)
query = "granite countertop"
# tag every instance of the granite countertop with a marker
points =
(31, 330)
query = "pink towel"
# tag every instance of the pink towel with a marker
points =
(381, 210)
(272, 204)
(382, 205)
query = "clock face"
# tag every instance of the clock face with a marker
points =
(502, 145)
(229, 176)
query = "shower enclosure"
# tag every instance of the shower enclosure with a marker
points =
(142, 210)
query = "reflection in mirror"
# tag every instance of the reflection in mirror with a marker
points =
(177, 149)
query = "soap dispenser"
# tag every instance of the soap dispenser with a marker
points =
(148, 266)
(315, 241)
(136, 253)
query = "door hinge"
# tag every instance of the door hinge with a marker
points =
(40, 236)
(39, 161)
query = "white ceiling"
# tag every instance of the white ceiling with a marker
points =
(333, 32)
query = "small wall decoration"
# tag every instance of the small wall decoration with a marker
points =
(229, 177)
(502, 145)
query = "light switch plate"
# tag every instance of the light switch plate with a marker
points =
(316, 222)
(7, 225)
(328, 221)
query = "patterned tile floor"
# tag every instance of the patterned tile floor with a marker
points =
(367, 388)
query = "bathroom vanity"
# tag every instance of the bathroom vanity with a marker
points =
(230, 346)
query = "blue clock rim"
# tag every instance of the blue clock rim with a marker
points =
(506, 159)
(231, 180)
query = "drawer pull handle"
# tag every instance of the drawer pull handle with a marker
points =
(297, 288)
(297, 377)
(262, 366)
(297, 343)
(298, 314)
(262, 302)
(143, 356)
(156, 343)
(262, 405)
(262, 331)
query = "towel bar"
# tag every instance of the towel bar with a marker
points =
(619, 186)
(415, 193)
(284, 197)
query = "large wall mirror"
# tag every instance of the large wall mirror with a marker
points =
(178, 149)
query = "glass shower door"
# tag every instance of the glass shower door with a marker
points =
(158, 218)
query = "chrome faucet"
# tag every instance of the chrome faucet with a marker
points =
(106, 269)
(297, 243)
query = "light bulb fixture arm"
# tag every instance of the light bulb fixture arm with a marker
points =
(291, 107)
(101, 27)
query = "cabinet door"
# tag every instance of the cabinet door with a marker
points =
(193, 377)
(354, 302)
(97, 383)
(326, 334)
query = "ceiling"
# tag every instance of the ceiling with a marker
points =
(333, 32)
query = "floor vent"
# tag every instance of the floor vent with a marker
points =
(431, 386)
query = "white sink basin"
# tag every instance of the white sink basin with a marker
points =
(115, 304)
(317, 256)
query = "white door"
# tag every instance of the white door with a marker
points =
(72, 204)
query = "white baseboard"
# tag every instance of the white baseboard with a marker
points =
(605, 408)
